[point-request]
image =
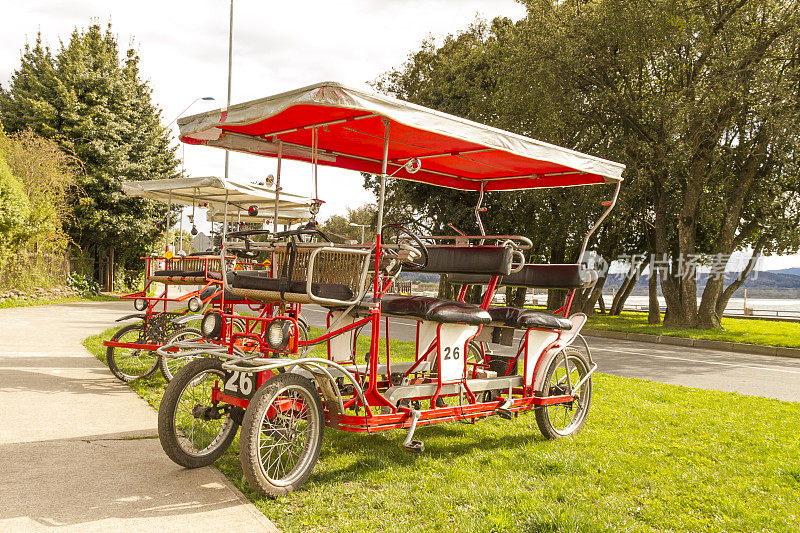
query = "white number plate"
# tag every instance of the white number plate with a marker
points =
(240, 384)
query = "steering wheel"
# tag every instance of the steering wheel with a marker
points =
(303, 231)
(404, 240)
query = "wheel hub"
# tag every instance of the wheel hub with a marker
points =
(204, 412)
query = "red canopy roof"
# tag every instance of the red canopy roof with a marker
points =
(455, 152)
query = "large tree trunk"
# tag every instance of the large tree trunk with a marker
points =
(585, 301)
(515, 297)
(628, 285)
(446, 289)
(714, 299)
(713, 318)
(653, 308)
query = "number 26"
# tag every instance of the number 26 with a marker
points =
(447, 352)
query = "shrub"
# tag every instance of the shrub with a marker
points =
(84, 285)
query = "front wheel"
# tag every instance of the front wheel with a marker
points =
(193, 431)
(128, 364)
(281, 435)
(564, 371)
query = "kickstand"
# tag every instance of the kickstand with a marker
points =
(409, 444)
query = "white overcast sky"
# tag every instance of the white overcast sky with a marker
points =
(277, 46)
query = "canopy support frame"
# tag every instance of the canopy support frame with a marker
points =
(600, 220)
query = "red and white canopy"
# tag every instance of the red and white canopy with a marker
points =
(349, 125)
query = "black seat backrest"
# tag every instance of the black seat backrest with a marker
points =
(571, 276)
(486, 260)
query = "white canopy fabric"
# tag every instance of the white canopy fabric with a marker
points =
(213, 193)
(347, 127)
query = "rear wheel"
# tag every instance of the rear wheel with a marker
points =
(171, 365)
(193, 431)
(128, 364)
(563, 372)
(281, 435)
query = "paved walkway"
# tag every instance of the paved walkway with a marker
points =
(78, 449)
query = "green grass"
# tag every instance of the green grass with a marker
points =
(752, 331)
(652, 457)
(17, 302)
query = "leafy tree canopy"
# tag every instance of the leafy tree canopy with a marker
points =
(94, 103)
(701, 101)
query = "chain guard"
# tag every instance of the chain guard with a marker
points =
(158, 327)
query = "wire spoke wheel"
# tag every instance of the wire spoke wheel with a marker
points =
(128, 364)
(194, 431)
(171, 365)
(282, 434)
(564, 372)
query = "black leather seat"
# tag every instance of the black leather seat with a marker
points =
(255, 280)
(434, 309)
(211, 290)
(527, 318)
(570, 276)
(491, 260)
(538, 276)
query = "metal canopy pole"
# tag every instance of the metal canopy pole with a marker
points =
(478, 210)
(228, 105)
(166, 227)
(225, 218)
(384, 165)
(277, 187)
(610, 205)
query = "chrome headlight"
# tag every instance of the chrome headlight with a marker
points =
(278, 334)
(194, 304)
(211, 325)
(140, 304)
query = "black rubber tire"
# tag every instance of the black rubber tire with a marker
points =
(543, 416)
(167, 432)
(249, 449)
(112, 355)
(170, 367)
(302, 325)
(474, 352)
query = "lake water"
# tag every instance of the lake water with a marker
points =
(735, 305)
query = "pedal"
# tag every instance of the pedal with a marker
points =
(504, 412)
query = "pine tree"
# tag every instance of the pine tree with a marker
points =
(94, 103)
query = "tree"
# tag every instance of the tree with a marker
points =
(704, 96)
(14, 210)
(366, 215)
(698, 99)
(96, 106)
(475, 74)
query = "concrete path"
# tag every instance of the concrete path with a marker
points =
(78, 449)
(755, 375)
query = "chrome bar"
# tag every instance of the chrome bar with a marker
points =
(599, 221)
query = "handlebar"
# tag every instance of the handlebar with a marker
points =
(520, 242)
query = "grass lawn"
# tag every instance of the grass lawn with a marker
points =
(752, 331)
(652, 457)
(16, 302)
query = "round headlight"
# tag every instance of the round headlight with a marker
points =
(194, 304)
(211, 325)
(140, 304)
(278, 334)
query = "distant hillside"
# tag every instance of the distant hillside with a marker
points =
(767, 284)
(791, 271)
